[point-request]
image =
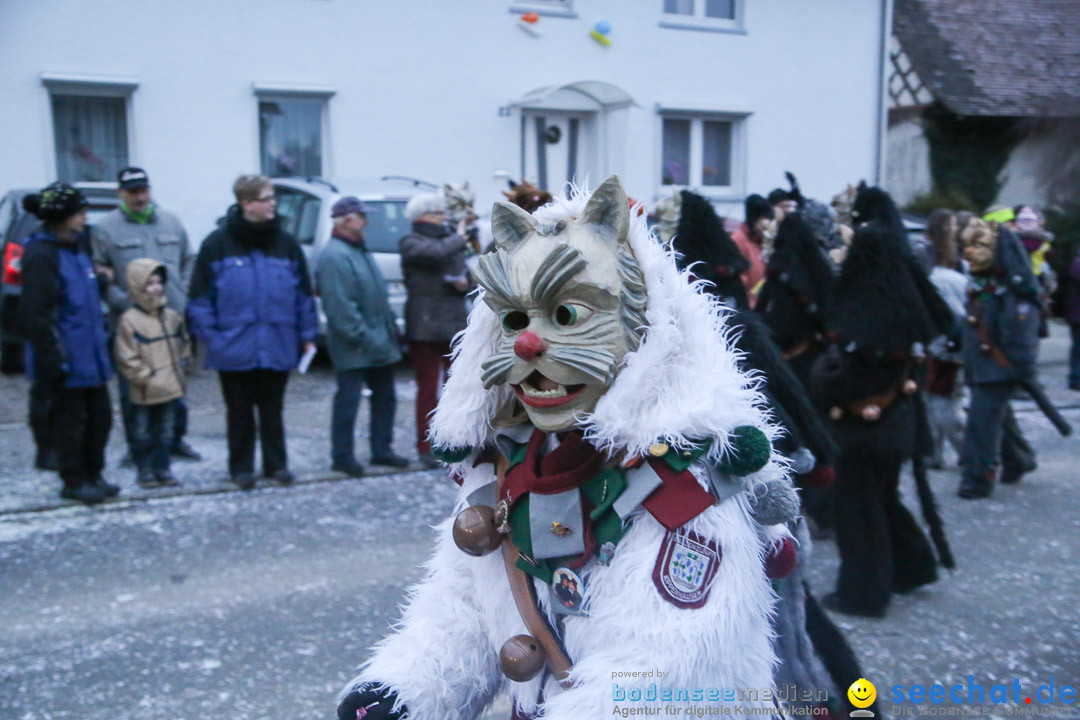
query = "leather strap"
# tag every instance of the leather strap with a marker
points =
(798, 349)
(881, 400)
(521, 586)
(986, 344)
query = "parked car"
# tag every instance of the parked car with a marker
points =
(15, 226)
(304, 207)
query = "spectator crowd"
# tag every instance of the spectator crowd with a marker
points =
(246, 301)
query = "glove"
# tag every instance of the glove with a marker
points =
(370, 702)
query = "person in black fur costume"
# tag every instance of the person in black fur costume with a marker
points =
(881, 316)
(798, 283)
(707, 250)
(874, 205)
(704, 246)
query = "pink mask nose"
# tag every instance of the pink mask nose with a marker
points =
(529, 346)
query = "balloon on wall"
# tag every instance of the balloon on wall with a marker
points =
(600, 32)
(527, 23)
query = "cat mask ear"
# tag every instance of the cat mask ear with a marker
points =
(608, 211)
(510, 224)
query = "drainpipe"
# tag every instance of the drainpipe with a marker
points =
(883, 92)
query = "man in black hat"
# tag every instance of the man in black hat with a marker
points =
(140, 229)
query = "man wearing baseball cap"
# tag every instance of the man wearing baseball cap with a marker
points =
(361, 336)
(140, 229)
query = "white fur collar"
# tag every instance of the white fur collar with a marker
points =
(682, 384)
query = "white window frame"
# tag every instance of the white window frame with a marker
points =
(698, 21)
(549, 8)
(738, 120)
(101, 86)
(270, 92)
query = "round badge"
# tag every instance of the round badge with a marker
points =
(569, 590)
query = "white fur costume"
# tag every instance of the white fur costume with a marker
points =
(682, 384)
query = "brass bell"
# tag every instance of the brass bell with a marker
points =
(658, 449)
(475, 532)
(522, 658)
(871, 413)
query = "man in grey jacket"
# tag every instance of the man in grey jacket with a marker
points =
(139, 229)
(437, 281)
(362, 339)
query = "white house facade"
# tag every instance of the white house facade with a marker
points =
(721, 96)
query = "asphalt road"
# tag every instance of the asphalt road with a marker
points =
(209, 603)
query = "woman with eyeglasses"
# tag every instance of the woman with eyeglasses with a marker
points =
(251, 303)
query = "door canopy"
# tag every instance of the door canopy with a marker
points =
(581, 96)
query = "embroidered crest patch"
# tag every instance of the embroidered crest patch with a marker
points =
(685, 569)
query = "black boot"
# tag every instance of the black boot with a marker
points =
(46, 460)
(84, 492)
(145, 478)
(975, 488)
(106, 487)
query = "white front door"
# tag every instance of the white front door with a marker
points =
(557, 147)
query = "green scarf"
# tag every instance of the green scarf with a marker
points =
(141, 218)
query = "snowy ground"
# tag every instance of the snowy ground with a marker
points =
(206, 602)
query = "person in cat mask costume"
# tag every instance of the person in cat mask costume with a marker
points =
(601, 430)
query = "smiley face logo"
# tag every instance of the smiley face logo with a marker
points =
(862, 693)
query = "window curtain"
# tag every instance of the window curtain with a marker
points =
(91, 137)
(675, 153)
(290, 137)
(720, 9)
(679, 7)
(716, 160)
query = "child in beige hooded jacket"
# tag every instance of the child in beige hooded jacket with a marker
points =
(152, 351)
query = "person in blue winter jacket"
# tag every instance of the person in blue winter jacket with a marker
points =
(60, 314)
(251, 303)
(1000, 346)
